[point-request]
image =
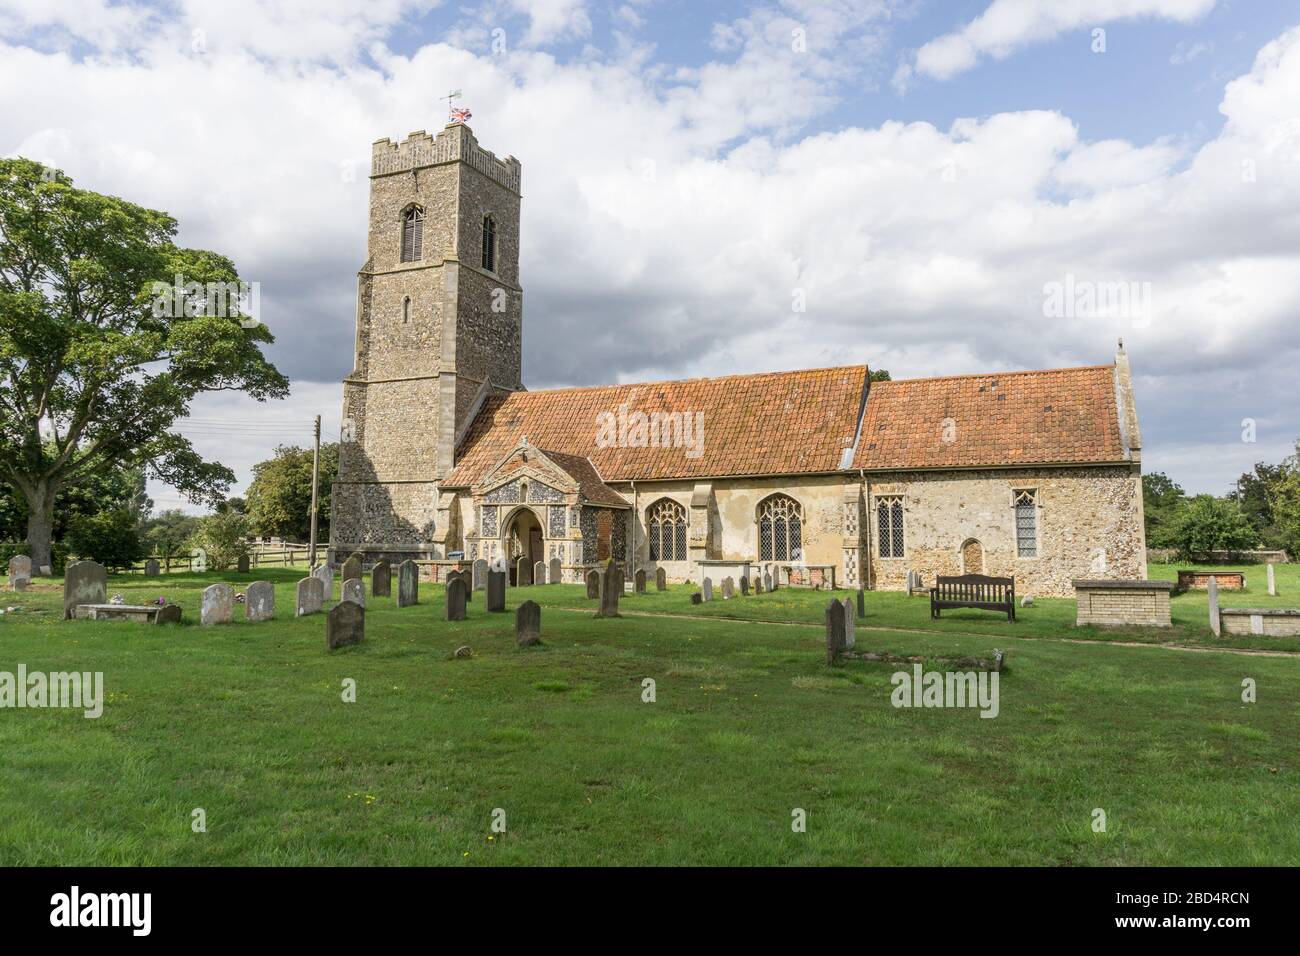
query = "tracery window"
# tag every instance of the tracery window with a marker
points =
(780, 529)
(889, 526)
(1027, 524)
(666, 521)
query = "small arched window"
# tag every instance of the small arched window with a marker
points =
(413, 234)
(406, 310)
(489, 244)
(666, 522)
(780, 529)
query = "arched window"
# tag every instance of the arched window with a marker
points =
(666, 521)
(780, 529)
(406, 310)
(489, 244)
(413, 234)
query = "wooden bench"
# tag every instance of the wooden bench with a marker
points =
(974, 590)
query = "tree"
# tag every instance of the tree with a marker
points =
(879, 375)
(1263, 496)
(108, 537)
(108, 330)
(107, 489)
(1212, 524)
(1163, 502)
(222, 539)
(168, 535)
(279, 497)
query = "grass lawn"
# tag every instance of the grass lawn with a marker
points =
(247, 722)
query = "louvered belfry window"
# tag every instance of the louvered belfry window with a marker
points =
(889, 526)
(413, 234)
(666, 521)
(489, 244)
(1026, 524)
(780, 529)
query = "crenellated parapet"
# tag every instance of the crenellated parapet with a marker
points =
(455, 143)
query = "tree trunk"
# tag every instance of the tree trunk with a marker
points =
(40, 523)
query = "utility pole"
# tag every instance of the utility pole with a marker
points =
(315, 483)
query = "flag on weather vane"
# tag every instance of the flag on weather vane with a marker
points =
(456, 114)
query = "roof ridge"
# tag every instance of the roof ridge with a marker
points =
(1025, 371)
(687, 381)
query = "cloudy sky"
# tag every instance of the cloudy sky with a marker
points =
(924, 175)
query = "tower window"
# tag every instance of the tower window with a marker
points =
(413, 234)
(406, 310)
(489, 244)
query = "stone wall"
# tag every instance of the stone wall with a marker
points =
(1117, 603)
(1269, 622)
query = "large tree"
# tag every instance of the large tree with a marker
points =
(279, 497)
(1163, 503)
(97, 359)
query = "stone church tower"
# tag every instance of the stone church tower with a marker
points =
(439, 329)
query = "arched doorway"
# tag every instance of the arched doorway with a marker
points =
(972, 557)
(523, 539)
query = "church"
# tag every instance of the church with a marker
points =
(822, 476)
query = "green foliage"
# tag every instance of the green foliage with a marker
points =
(106, 489)
(1164, 502)
(168, 534)
(109, 537)
(1269, 497)
(58, 561)
(279, 497)
(879, 375)
(221, 537)
(1212, 524)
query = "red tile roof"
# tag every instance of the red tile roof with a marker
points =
(768, 424)
(1055, 416)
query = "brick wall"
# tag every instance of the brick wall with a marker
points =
(1118, 603)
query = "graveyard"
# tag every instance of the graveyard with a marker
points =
(452, 719)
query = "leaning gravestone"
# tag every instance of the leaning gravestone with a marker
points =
(496, 591)
(708, 589)
(408, 583)
(310, 597)
(744, 586)
(849, 636)
(539, 573)
(242, 564)
(218, 604)
(151, 569)
(84, 582)
(611, 589)
(354, 590)
(20, 572)
(528, 624)
(661, 579)
(345, 624)
(638, 581)
(325, 574)
(834, 631)
(767, 581)
(758, 583)
(457, 595)
(168, 614)
(523, 573)
(480, 575)
(381, 579)
(1212, 587)
(593, 583)
(728, 588)
(554, 572)
(862, 604)
(259, 601)
(469, 583)
(352, 567)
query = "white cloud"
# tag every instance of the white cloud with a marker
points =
(1008, 25)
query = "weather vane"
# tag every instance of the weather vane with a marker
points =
(456, 114)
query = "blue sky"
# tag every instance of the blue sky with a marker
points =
(922, 171)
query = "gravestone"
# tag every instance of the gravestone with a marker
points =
(310, 597)
(758, 583)
(661, 580)
(325, 574)
(528, 624)
(408, 583)
(834, 631)
(611, 589)
(168, 614)
(259, 601)
(1213, 589)
(496, 591)
(767, 581)
(218, 604)
(20, 572)
(241, 565)
(84, 582)
(539, 573)
(151, 569)
(46, 571)
(381, 579)
(554, 572)
(523, 572)
(468, 577)
(345, 624)
(352, 567)
(862, 604)
(1272, 584)
(457, 596)
(708, 589)
(593, 583)
(638, 581)
(849, 636)
(744, 586)
(728, 588)
(478, 577)
(697, 597)
(354, 590)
